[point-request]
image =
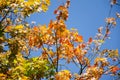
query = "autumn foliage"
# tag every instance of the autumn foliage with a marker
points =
(58, 45)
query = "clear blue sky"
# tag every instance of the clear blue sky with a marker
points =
(86, 16)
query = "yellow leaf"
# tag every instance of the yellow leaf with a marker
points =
(101, 41)
(87, 61)
(2, 76)
(51, 53)
(47, 2)
(100, 59)
(114, 23)
(19, 27)
(116, 53)
(44, 7)
(15, 11)
(25, 78)
(113, 53)
(63, 75)
(103, 61)
(28, 3)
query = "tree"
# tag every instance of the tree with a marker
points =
(57, 44)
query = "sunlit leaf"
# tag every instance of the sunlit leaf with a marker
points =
(47, 2)
(79, 38)
(114, 69)
(35, 28)
(110, 20)
(19, 27)
(63, 75)
(44, 7)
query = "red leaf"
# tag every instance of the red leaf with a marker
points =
(55, 12)
(115, 69)
(90, 40)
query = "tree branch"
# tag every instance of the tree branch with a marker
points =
(5, 16)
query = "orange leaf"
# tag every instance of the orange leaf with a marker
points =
(79, 38)
(8, 28)
(35, 28)
(110, 20)
(50, 24)
(115, 69)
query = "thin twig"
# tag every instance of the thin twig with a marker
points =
(5, 16)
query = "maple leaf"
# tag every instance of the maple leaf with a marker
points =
(90, 40)
(50, 24)
(83, 45)
(8, 28)
(114, 23)
(110, 20)
(19, 27)
(3, 76)
(44, 7)
(77, 50)
(114, 69)
(113, 53)
(103, 61)
(94, 71)
(47, 2)
(63, 75)
(36, 29)
(79, 38)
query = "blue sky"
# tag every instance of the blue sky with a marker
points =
(86, 16)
